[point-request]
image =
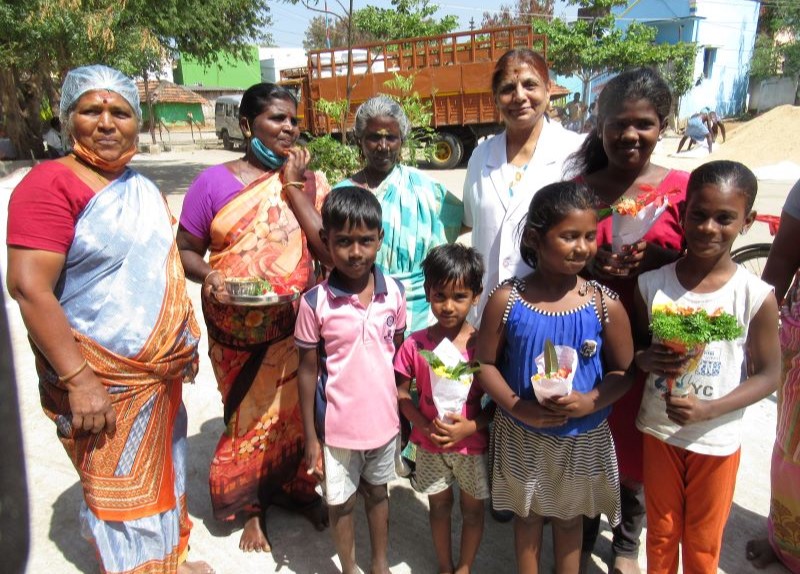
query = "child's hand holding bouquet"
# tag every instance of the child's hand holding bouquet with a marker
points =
(451, 378)
(686, 331)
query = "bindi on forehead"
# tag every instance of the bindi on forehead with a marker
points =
(382, 132)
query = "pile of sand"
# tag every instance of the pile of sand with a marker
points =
(769, 139)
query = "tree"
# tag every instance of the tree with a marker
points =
(523, 13)
(593, 45)
(318, 32)
(777, 49)
(405, 19)
(43, 39)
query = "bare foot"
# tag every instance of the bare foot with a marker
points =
(195, 568)
(760, 552)
(626, 565)
(253, 538)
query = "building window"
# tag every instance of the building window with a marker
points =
(709, 55)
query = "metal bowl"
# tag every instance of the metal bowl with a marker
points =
(243, 286)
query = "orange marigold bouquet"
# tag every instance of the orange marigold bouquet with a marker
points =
(632, 217)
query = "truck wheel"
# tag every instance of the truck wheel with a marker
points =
(226, 140)
(447, 152)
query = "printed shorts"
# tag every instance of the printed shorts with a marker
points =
(344, 469)
(436, 472)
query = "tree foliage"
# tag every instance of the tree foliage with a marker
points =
(522, 13)
(777, 49)
(316, 36)
(593, 45)
(406, 18)
(43, 39)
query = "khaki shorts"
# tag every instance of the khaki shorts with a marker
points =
(344, 469)
(436, 472)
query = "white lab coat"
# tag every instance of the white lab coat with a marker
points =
(494, 214)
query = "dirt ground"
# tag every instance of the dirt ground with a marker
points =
(765, 140)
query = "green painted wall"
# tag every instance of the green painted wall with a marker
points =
(174, 113)
(230, 73)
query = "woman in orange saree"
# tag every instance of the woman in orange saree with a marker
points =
(258, 217)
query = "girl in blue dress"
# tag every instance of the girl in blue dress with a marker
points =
(554, 459)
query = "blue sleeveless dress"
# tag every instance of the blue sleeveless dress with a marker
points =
(563, 471)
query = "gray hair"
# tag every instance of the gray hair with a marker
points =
(381, 106)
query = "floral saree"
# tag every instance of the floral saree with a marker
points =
(259, 457)
(123, 262)
(418, 214)
(784, 515)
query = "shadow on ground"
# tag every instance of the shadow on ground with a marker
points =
(65, 530)
(167, 178)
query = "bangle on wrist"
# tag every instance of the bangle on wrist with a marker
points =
(210, 273)
(297, 184)
(67, 378)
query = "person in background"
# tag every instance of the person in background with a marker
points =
(717, 127)
(614, 161)
(505, 171)
(258, 216)
(93, 264)
(52, 139)
(692, 442)
(575, 112)
(553, 457)
(418, 212)
(782, 271)
(453, 448)
(698, 129)
(348, 330)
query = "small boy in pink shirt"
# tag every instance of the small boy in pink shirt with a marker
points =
(348, 330)
(453, 449)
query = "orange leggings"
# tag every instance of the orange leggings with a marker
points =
(688, 497)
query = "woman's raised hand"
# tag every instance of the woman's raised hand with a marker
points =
(296, 164)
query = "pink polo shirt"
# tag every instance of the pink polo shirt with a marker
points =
(356, 402)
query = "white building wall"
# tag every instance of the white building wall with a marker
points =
(273, 60)
(730, 27)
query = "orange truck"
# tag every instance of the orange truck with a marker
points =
(452, 72)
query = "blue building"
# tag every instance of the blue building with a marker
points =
(724, 31)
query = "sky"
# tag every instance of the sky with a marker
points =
(289, 22)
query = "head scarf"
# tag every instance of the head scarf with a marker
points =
(98, 77)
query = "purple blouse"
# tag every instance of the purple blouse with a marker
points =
(209, 193)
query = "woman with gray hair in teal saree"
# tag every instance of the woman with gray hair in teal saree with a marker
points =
(418, 212)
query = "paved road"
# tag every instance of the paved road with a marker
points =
(55, 493)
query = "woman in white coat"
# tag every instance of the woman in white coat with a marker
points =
(506, 170)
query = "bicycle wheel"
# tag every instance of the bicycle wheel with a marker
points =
(752, 257)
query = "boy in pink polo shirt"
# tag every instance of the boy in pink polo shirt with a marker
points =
(348, 330)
